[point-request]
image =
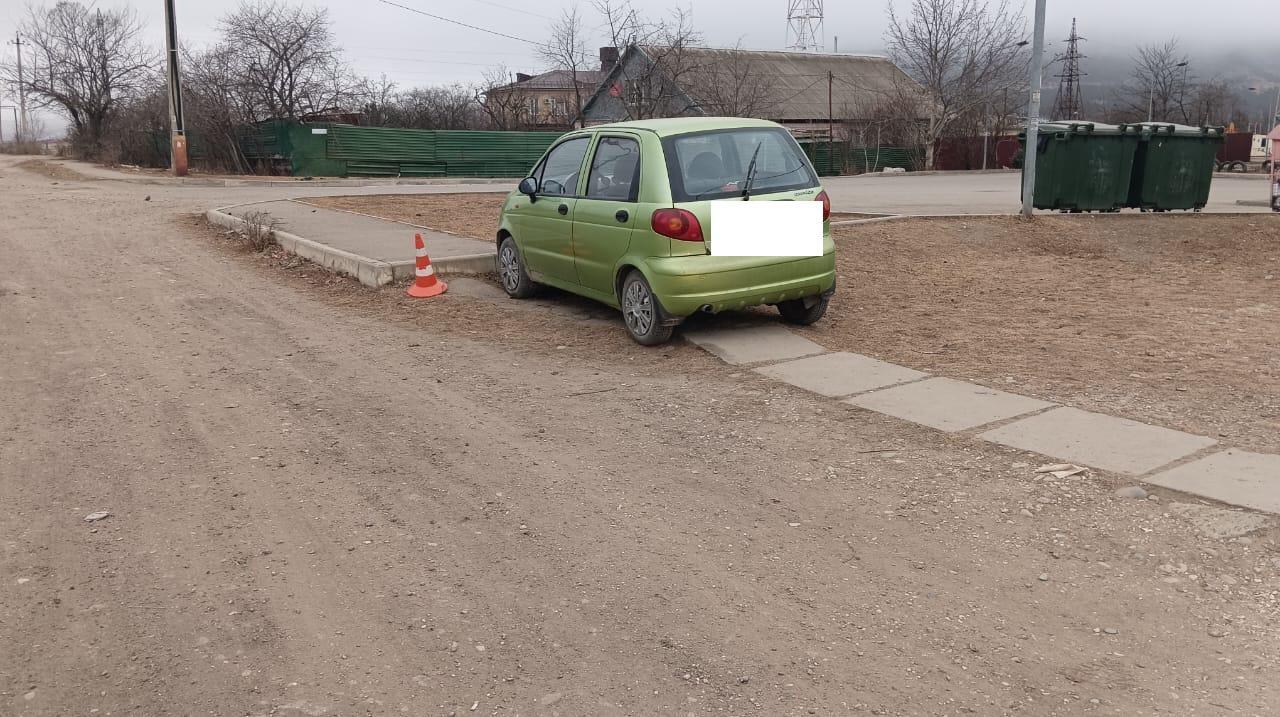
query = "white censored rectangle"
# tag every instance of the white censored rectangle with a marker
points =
(762, 228)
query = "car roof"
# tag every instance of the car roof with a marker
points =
(684, 125)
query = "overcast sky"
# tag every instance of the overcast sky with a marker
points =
(412, 49)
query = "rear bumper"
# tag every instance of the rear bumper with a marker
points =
(685, 284)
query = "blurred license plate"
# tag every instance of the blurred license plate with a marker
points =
(776, 229)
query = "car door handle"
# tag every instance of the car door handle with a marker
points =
(563, 209)
(622, 216)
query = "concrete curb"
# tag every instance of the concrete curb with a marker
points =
(370, 272)
(931, 172)
(203, 182)
(468, 264)
(869, 220)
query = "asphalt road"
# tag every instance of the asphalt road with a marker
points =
(990, 193)
(327, 500)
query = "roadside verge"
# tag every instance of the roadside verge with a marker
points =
(375, 252)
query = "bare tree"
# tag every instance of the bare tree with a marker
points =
(1212, 102)
(443, 107)
(567, 51)
(1157, 88)
(964, 53)
(651, 86)
(505, 108)
(217, 105)
(378, 101)
(292, 65)
(734, 86)
(84, 63)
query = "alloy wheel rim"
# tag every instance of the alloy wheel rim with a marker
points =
(637, 309)
(509, 267)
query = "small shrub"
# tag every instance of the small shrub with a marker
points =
(259, 230)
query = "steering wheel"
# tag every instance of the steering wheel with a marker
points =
(551, 186)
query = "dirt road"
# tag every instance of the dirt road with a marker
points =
(329, 501)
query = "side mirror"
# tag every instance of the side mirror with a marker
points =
(529, 186)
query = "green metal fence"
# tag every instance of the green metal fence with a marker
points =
(342, 150)
(859, 160)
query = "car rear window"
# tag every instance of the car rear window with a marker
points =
(713, 165)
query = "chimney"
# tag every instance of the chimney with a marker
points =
(522, 77)
(608, 58)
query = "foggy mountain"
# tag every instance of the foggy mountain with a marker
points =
(1108, 68)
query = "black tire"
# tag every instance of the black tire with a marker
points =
(795, 311)
(643, 316)
(511, 274)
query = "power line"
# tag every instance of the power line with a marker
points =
(458, 22)
(514, 9)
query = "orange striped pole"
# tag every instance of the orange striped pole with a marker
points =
(425, 284)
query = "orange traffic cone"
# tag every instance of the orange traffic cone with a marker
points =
(425, 284)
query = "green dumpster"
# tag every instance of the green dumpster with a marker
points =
(1084, 166)
(1174, 166)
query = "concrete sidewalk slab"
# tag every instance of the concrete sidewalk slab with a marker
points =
(1098, 440)
(379, 239)
(947, 404)
(840, 374)
(374, 251)
(1231, 476)
(753, 344)
(1219, 523)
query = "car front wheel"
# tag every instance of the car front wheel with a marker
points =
(641, 313)
(515, 280)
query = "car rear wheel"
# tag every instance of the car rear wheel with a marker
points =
(797, 312)
(641, 313)
(515, 280)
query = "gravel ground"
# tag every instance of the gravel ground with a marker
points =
(332, 500)
(1169, 319)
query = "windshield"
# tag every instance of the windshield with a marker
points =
(713, 165)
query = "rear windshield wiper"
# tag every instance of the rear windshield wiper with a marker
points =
(751, 173)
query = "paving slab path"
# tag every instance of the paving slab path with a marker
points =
(1231, 476)
(1058, 432)
(947, 404)
(1099, 440)
(840, 374)
(380, 239)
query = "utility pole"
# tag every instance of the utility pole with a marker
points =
(176, 120)
(1182, 92)
(22, 91)
(831, 123)
(1033, 113)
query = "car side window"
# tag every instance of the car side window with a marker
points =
(562, 167)
(615, 170)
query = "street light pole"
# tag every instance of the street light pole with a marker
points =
(176, 120)
(1033, 113)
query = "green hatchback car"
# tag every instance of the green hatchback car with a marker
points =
(621, 213)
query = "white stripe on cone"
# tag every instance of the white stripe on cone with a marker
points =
(429, 271)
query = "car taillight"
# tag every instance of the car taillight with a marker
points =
(679, 224)
(826, 204)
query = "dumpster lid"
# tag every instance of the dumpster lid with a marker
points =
(1083, 127)
(1179, 130)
